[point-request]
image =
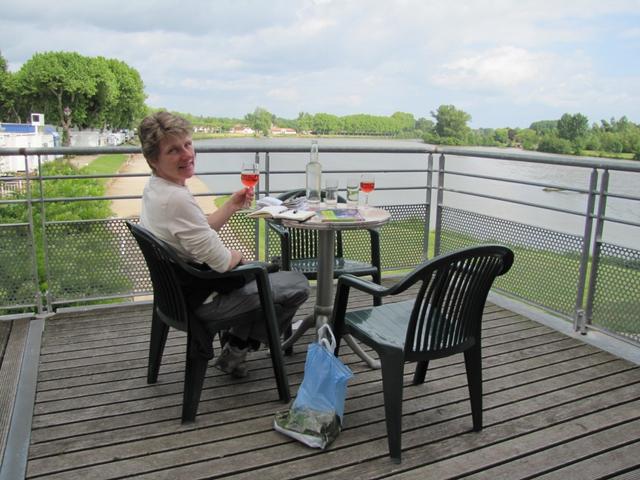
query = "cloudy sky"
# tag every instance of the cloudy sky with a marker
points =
(505, 62)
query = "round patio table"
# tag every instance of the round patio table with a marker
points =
(371, 218)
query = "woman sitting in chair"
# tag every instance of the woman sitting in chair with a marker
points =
(171, 213)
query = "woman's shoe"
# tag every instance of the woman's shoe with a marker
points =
(232, 360)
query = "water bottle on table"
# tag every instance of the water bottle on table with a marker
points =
(314, 176)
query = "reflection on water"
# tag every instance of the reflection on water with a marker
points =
(558, 176)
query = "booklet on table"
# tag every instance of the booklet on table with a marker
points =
(340, 215)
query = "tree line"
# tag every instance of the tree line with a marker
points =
(73, 90)
(571, 134)
(95, 92)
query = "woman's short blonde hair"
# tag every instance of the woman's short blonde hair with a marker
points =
(158, 126)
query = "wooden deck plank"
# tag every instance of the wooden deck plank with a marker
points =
(138, 432)
(452, 439)
(369, 381)
(531, 461)
(299, 461)
(141, 447)
(601, 466)
(176, 445)
(95, 416)
(13, 336)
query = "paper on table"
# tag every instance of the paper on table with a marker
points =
(269, 211)
(300, 215)
(268, 201)
(280, 211)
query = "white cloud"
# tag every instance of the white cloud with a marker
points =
(287, 94)
(630, 33)
(498, 68)
(525, 78)
(353, 56)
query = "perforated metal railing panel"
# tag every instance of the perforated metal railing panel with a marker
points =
(239, 233)
(616, 304)
(101, 259)
(90, 259)
(547, 262)
(18, 285)
(401, 240)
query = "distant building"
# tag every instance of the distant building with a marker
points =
(242, 129)
(282, 131)
(26, 135)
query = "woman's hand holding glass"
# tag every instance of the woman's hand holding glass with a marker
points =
(243, 198)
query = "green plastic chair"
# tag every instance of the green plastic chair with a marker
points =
(169, 274)
(444, 319)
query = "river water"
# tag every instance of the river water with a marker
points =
(561, 176)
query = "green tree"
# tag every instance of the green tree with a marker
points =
(325, 123)
(528, 138)
(425, 125)
(573, 127)
(128, 108)
(502, 135)
(304, 122)
(554, 144)
(451, 122)
(7, 93)
(260, 120)
(405, 121)
(57, 84)
(71, 89)
(103, 100)
(544, 127)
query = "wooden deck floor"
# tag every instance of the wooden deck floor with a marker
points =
(554, 408)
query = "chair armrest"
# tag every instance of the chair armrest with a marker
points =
(359, 283)
(345, 283)
(249, 270)
(203, 271)
(279, 229)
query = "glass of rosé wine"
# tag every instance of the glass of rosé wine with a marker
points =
(367, 185)
(250, 173)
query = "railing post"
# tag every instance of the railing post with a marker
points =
(258, 224)
(45, 249)
(595, 256)
(425, 243)
(579, 317)
(440, 200)
(32, 232)
(267, 189)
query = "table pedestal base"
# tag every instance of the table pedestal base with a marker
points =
(310, 322)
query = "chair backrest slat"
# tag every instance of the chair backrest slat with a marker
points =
(448, 308)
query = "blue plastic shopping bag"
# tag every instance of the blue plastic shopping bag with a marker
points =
(315, 416)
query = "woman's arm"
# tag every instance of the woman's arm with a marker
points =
(239, 200)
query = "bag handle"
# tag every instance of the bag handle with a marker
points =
(328, 343)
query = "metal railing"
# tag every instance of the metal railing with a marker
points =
(577, 273)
